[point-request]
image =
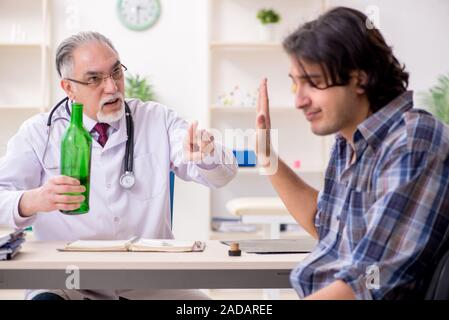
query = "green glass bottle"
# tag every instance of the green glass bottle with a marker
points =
(76, 155)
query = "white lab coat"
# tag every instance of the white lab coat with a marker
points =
(115, 212)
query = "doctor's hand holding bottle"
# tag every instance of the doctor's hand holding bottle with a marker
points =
(52, 196)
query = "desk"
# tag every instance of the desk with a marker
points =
(40, 265)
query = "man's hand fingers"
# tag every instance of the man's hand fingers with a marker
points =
(263, 136)
(259, 106)
(261, 122)
(263, 101)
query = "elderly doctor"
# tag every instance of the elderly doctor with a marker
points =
(32, 191)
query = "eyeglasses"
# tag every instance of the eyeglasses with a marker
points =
(96, 80)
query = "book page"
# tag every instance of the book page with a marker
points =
(97, 245)
(162, 245)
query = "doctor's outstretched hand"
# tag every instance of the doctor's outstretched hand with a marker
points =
(52, 196)
(198, 144)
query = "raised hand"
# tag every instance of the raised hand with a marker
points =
(198, 144)
(263, 126)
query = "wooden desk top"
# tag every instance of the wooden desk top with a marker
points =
(44, 256)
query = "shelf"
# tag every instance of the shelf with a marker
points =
(237, 60)
(21, 45)
(20, 107)
(251, 109)
(245, 45)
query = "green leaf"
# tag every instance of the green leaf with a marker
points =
(139, 88)
(267, 16)
(437, 99)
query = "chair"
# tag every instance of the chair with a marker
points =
(439, 285)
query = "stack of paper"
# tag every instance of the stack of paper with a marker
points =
(10, 243)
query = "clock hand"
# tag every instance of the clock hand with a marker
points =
(138, 8)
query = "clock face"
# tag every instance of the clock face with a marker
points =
(138, 14)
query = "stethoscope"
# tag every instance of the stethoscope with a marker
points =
(127, 179)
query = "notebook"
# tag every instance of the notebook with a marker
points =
(12, 246)
(272, 246)
(10, 242)
(9, 256)
(136, 245)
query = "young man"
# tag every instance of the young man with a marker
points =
(32, 192)
(382, 217)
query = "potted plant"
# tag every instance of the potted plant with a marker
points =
(139, 88)
(268, 19)
(437, 99)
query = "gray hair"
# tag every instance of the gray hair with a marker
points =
(64, 53)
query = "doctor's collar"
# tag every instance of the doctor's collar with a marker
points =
(90, 123)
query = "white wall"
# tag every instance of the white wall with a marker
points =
(171, 52)
(417, 30)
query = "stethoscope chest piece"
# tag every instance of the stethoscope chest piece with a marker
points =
(127, 180)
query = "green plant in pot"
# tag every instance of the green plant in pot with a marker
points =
(268, 19)
(437, 99)
(267, 16)
(140, 88)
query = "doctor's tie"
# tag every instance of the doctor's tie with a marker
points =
(102, 129)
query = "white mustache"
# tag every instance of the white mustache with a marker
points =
(116, 96)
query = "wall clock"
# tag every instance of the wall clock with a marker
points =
(138, 15)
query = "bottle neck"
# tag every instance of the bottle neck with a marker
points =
(77, 115)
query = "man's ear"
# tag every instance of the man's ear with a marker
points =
(68, 88)
(361, 81)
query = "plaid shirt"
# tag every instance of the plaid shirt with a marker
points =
(383, 220)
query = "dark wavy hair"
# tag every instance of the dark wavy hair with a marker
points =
(341, 41)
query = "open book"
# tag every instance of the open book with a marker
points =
(139, 245)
